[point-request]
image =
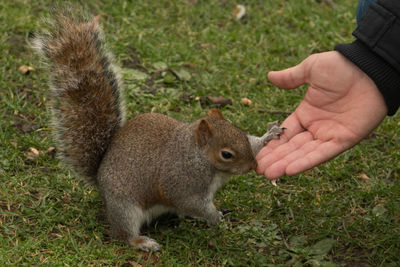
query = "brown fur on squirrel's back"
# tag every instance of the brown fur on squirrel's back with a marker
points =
(87, 106)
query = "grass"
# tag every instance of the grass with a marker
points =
(344, 212)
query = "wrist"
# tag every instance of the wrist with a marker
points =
(385, 77)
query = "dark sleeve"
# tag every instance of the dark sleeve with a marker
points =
(376, 50)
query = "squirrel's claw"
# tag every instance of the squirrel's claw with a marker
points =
(270, 125)
(273, 133)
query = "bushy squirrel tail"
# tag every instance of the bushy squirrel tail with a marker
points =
(87, 99)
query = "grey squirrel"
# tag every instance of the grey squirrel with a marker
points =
(146, 166)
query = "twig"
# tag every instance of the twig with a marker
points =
(274, 111)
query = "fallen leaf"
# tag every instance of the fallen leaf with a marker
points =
(364, 178)
(188, 64)
(160, 65)
(32, 154)
(14, 144)
(25, 69)
(219, 101)
(182, 74)
(132, 74)
(34, 151)
(135, 264)
(24, 126)
(323, 246)
(239, 12)
(168, 77)
(297, 241)
(378, 211)
(205, 45)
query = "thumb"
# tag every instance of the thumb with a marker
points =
(289, 78)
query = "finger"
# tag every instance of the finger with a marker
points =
(306, 157)
(320, 154)
(279, 168)
(302, 151)
(289, 78)
(281, 153)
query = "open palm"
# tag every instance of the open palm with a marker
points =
(342, 105)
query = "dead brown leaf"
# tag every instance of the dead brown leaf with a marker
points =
(32, 153)
(188, 65)
(206, 45)
(364, 178)
(135, 264)
(25, 69)
(24, 126)
(239, 12)
(14, 144)
(219, 101)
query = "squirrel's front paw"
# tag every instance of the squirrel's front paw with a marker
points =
(214, 219)
(274, 132)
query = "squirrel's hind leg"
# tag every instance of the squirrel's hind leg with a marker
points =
(126, 219)
(144, 243)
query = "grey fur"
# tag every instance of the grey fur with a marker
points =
(151, 164)
(257, 143)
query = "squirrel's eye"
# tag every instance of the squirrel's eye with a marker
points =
(226, 154)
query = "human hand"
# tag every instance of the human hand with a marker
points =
(341, 106)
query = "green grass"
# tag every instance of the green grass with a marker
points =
(345, 212)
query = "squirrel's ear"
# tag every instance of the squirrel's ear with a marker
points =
(203, 132)
(94, 23)
(96, 19)
(215, 114)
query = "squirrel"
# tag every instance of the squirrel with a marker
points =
(149, 165)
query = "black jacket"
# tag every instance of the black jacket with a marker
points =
(376, 50)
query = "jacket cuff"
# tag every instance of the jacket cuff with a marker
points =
(386, 78)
